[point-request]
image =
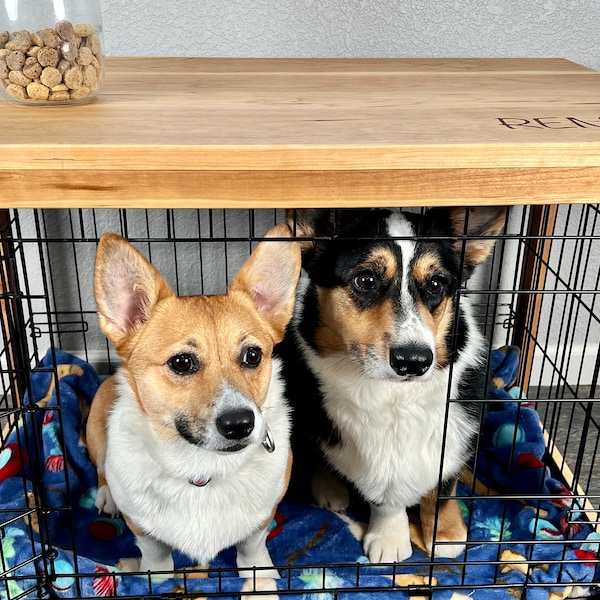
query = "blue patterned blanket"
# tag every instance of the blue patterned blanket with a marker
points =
(540, 538)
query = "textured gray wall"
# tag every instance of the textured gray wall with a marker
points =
(354, 28)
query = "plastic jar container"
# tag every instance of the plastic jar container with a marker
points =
(51, 51)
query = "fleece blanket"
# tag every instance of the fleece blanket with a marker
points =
(526, 529)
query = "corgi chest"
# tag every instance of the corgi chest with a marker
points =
(194, 500)
(393, 436)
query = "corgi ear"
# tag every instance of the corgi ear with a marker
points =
(314, 228)
(312, 222)
(127, 288)
(270, 277)
(475, 225)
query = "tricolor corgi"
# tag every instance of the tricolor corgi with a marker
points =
(191, 435)
(386, 369)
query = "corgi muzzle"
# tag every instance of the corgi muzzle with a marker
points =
(236, 423)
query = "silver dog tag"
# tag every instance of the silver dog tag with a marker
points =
(268, 442)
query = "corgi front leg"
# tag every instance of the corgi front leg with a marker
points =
(329, 492)
(442, 521)
(96, 435)
(252, 552)
(104, 500)
(388, 536)
(156, 555)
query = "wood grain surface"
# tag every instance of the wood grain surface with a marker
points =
(252, 133)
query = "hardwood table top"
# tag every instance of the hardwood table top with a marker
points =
(256, 133)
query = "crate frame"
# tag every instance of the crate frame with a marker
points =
(539, 227)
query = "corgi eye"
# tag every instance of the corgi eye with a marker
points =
(436, 286)
(183, 364)
(251, 357)
(365, 282)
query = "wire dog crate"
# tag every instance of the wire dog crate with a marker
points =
(530, 498)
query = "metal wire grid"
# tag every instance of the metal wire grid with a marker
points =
(47, 259)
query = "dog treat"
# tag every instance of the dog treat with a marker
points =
(32, 68)
(93, 43)
(63, 65)
(83, 30)
(80, 93)
(65, 31)
(70, 51)
(49, 38)
(36, 40)
(59, 64)
(19, 78)
(17, 91)
(73, 78)
(51, 76)
(4, 70)
(22, 41)
(59, 96)
(47, 57)
(15, 60)
(38, 91)
(90, 79)
(85, 57)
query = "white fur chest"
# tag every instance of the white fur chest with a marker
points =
(149, 477)
(392, 434)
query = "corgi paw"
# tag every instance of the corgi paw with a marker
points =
(386, 547)
(451, 533)
(129, 565)
(329, 492)
(253, 551)
(134, 565)
(448, 550)
(105, 503)
(445, 521)
(260, 584)
(266, 574)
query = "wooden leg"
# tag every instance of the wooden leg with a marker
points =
(542, 220)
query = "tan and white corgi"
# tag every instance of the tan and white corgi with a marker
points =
(191, 435)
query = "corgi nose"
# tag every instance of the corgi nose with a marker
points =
(236, 424)
(411, 360)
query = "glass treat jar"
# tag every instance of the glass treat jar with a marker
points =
(50, 51)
